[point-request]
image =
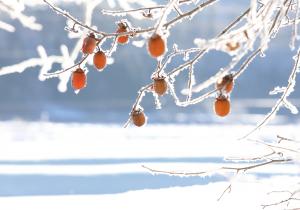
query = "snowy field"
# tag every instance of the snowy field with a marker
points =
(90, 166)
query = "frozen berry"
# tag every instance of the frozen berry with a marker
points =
(225, 83)
(222, 106)
(156, 46)
(160, 86)
(99, 60)
(122, 29)
(78, 79)
(89, 44)
(138, 118)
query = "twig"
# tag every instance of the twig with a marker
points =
(110, 12)
(190, 13)
(286, 201)
(140, 31)
(119, 12)
(69, 16)
(67, 69)
(224, 168)
(280, 102)
(285, 139)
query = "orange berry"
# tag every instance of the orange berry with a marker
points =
(89, 44)
(160, 86)
(156, 46)
(138, 118)
(225, 83)
(229, 87)
(78, 79)
(122, 39)
(222, 106)
(99, 60)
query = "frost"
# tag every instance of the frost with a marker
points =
(253, 11)
(15, 10)
(186, 56)
(76, 91)
(113, 48)
(277, 90)
(199, 42)
(191, 83)
(44, 61)
(175, 47)
(110, 61)
(156, 100)
(127, 9)
(165, 12)
(290, 106)
(7, 27)
(173, 92)
(139, 43)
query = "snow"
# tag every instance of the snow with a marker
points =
(45, 165)
(58, 140)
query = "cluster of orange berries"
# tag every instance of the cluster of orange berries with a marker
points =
(160, 87)
(156, 48)
(221, 106)
(88, 47)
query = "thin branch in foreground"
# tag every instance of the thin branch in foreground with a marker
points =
(292, 197)
(125, 12)
(224, 168)
(281, 138)
(288, 90)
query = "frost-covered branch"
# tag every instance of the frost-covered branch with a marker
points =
(279, 153)
(44, 61)
(133, 32)
(15, 10)
(224, 168)
(283, 100)
(292, 197)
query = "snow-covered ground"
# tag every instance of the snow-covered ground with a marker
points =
(47, 165)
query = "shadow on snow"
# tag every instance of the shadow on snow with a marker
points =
(28, 185)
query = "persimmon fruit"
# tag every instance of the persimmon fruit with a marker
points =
(122, 29)
(225, 83)
(156, 46)
(89, 44)
(138, 118)
(78, 79)
(160, 86)
(99, 60)
(222, 106)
